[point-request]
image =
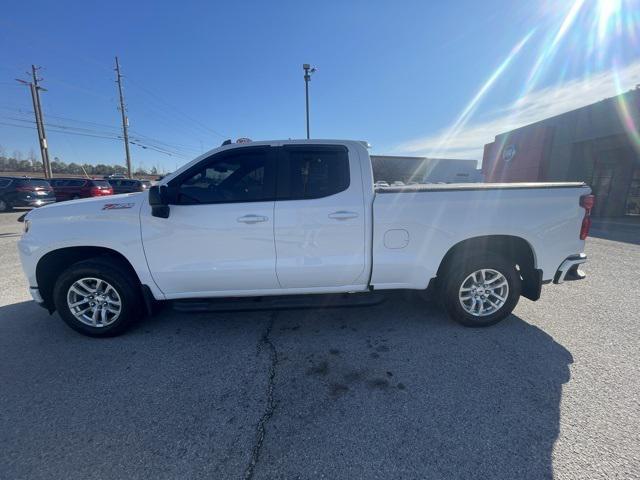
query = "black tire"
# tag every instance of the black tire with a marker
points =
(5, 205)
(457, 272)
(118, 276)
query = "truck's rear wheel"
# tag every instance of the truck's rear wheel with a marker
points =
(480, 291)
(97, 297)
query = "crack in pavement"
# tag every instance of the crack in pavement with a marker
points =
(265, 341)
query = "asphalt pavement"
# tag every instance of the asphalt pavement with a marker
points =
(394, 390)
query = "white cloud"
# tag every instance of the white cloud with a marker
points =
(533, 107)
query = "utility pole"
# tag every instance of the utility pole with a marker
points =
(125, 120)
(308, 71)
(35, 88)
(44, 147)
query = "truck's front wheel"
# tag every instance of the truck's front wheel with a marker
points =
(97, 298)
(480, 291)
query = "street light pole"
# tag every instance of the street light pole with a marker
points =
(308, 70)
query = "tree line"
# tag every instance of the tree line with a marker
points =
(30, 165)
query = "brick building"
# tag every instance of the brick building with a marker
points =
(598, 144)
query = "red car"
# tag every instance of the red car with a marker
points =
(74, 188)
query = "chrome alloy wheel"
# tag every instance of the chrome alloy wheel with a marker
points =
(94, 302)
(483, 292)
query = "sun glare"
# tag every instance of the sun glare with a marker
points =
(586, 37)
(607, 13)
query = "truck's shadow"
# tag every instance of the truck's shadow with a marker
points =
(390, 391)
(628, 232)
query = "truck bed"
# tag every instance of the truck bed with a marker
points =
(415, 225)
(443, 187)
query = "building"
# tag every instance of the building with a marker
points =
(391, 169)
(598, 144)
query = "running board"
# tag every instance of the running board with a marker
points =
(284, 302)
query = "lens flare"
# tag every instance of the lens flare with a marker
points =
(608, 12)
(625, 111)
(589, 38)
(551, 48)
(472, 106)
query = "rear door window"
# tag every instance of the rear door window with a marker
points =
(313, 172)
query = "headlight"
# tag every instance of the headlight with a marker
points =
(27, 225)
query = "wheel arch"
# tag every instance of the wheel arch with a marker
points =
(513, 248)
(53, 263)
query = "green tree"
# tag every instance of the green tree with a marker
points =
(58, 166)
(74, 169)
(24, 166)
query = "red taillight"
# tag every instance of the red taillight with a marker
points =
(97, 191)
(587, 202)
(584, 229)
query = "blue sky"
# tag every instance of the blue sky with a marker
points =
(401, 75)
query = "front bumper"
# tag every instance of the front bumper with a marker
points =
(569, 269)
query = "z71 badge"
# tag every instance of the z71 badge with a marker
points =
(117, 206)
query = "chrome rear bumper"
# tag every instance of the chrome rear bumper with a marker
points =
(569, 271)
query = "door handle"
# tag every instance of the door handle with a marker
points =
(343, 215)
(252, 219)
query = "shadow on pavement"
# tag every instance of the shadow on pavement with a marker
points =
(622, 230)
(390, 391)
(401, 392)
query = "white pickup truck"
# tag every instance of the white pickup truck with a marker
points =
(301, 217)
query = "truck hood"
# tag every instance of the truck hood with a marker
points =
(101, 206)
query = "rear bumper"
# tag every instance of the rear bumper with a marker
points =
(569, 269)
(32, 202)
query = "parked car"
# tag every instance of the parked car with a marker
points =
(24, 192)
(302, 217)
(128, 185)
(74, 188)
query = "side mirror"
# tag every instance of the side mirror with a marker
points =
(159, 205)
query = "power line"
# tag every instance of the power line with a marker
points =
(110, 129)
(62, 131)
(66, 127)
(107, 137)
(140, 139)
(177, 110)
